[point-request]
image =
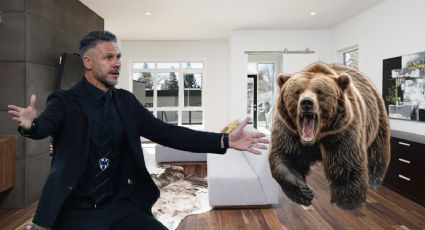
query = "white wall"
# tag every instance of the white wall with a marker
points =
(267, 40)
(216, 56)
(392, 28)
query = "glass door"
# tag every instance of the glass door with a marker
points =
(252, 98)
(262, 88)
(262, 71)
(265, 83)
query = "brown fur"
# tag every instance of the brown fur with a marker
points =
(351, 135)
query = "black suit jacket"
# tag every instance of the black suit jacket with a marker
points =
(66, 118)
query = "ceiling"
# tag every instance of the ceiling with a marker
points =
(215, 19)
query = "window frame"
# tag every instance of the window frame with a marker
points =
(181, 72)
(343, 52)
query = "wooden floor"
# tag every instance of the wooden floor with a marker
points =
(384, 209)
(16, 218)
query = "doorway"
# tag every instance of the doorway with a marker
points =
(252, 98)
(262, 70)
(262, 87)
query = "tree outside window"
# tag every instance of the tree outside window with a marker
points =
(156, 85)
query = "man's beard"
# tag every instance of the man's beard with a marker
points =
(105, 81)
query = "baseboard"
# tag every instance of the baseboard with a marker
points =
(183, 163)
(262, 206)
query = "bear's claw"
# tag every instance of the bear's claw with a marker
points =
(375, 182)
(300, 193)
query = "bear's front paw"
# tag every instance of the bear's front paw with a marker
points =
(348, 203)
(375, 181)
(299, 193)
(349, 197)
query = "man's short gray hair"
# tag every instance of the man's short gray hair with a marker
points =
(90, 40)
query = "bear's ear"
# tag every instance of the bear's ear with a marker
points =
(282, 78)
(319, 67)
(343, 81)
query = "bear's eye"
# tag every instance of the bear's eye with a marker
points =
(297, 91)
(319, 93)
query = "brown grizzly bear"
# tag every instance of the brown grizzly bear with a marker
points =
(334, 114)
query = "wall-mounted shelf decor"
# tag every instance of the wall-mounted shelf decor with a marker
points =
(403, 86)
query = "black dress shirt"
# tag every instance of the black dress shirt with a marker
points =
(120, 175)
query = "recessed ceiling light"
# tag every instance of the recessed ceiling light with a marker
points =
(148, 13)
(313, 13)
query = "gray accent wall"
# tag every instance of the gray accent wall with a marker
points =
(33, 35)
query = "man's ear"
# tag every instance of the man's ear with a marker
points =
(343, 81)
(282, 78)
(87, 62)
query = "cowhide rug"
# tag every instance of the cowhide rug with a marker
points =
(181, 195)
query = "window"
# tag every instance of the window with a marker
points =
(168, 65)
(193, 65)
(167, 89)
(193, 89)
(192, 118)
(350, 57)
(172, 91)
(168, 116)
(144, 80)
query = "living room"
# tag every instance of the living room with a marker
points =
(217, 49)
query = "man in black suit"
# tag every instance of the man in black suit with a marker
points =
(98, 178)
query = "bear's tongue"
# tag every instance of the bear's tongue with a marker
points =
(308, 127)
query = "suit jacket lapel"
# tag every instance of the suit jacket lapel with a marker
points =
(124, 111)
(82, 96)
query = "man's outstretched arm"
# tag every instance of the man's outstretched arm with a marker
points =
(24, 116)
(42, 126)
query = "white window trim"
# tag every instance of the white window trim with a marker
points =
(340, 53)
(180, 108)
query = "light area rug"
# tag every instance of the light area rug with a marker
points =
(181, 194)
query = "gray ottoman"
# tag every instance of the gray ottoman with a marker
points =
(240, 178)
(165, 154)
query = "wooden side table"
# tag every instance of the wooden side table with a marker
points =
(7, 162)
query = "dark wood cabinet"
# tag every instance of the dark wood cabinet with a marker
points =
(7, 162)
(406, 172)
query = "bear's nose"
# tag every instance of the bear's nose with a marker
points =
(307, 104)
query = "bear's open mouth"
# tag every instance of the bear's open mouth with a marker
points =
(308, 127)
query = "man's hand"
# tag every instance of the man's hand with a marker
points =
(24, 116)
(241, 140)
